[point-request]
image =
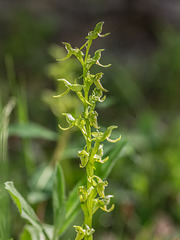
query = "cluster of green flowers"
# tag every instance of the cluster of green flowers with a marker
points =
(92, 196)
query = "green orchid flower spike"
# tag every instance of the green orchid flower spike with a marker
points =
(92, 195)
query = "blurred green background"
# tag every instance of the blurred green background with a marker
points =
(143, 100)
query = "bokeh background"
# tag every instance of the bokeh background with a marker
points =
(143, 100)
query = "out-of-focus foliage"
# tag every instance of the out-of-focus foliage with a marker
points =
(56, 70)
(144, 102)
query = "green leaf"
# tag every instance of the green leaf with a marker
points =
(58, 200)
(95, 59)
(97, 54)
(38, 196)
(98, 27)
(32, 130)
(72, 207)
(42, 179)
(4, 166)
(97, 30)
(92, 35)
(73, 200)
(24, 208)
(68, 220)
(31, 233)
(4, 127)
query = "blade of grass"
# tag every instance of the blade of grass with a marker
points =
(32, 130)
(4, 202)
(24, 208)
(19, 92)
(58, 200)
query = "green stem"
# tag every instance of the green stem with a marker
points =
(86, 122)
(89, 168)
(85, 59)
